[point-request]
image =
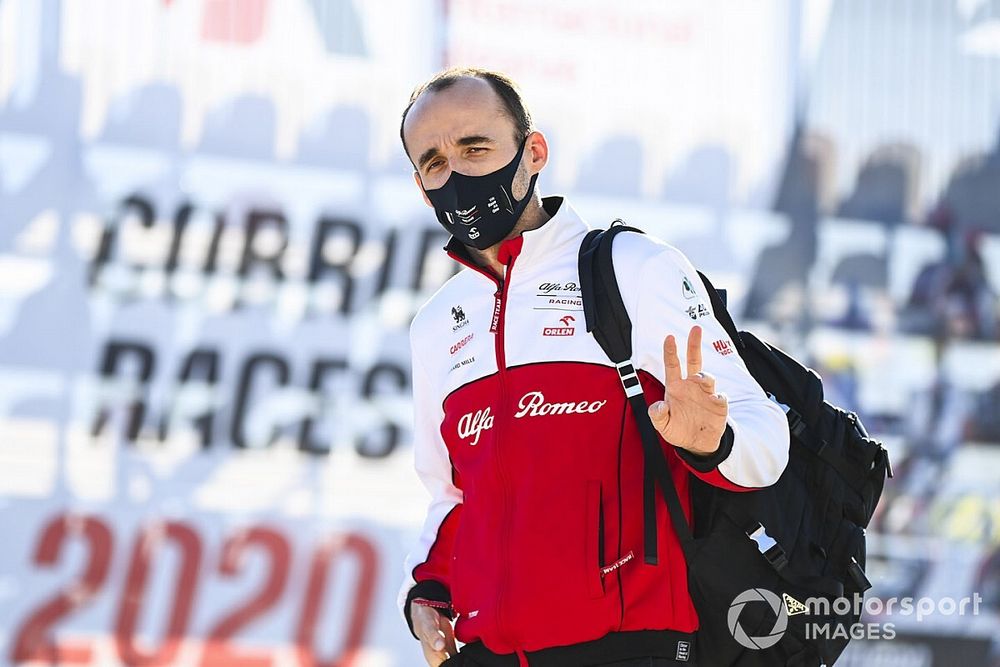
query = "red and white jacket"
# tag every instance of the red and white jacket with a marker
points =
(534, 535)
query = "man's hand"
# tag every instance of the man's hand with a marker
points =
(691, 415)
(437, 637)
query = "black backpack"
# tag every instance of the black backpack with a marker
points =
(797, 545)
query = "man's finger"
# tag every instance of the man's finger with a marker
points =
(659, 414)
(436, 649)
(436, 634)
(706, 381)
(671, 362)
(694, 351)
(433, 630)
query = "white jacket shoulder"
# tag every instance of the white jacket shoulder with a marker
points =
(632, 254)
(636, 248)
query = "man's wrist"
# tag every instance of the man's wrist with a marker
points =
(429, 593)
(711, 460)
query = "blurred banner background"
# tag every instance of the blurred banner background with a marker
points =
(211, 247)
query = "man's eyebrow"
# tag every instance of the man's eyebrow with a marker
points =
(470, 140)
(474, 139)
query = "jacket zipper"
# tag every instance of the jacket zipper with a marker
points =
(497, 328)
(500, 309)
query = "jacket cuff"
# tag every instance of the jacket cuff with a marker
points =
(710, 462)
(433, 591)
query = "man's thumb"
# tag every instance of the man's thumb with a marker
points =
(659, 412)
(438, 641)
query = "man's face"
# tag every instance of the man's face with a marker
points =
(462, 128)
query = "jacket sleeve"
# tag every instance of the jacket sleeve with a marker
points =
(428, 565)
(669, 299)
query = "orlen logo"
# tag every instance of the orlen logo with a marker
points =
(533, 404)
(472, 424)
(565, 330)
(460, 344)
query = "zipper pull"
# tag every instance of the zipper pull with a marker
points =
(495, 324)
(440, 606)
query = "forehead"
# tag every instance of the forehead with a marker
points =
(468, 107)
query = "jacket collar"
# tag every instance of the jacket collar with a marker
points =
(564, 226)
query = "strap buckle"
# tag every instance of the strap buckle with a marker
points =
(629, 378)
(858, 574)
(796, 424)
(883, 455)
(768, 547)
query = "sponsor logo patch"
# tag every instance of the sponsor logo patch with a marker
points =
(497, 306)
(565, 302)
(694, 312)
(458, 315)
(617, 564)
(687, 289)
(565, 330)
(683, 651)
(547, 289)
(463, 362)
(792, 605)
(723, 347)
(558, 296)
(467, 216)
(533, 404)
(460, 344)
(472, 425)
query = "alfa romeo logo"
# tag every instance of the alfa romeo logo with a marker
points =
(757, 595)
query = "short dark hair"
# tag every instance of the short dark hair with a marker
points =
(503, 86)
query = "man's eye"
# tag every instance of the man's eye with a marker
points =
(475, 149)
(434, 165)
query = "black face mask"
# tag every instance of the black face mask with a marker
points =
(480, 211)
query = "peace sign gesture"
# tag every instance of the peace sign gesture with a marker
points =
(691, 415)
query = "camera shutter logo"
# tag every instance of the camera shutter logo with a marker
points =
(780, 623)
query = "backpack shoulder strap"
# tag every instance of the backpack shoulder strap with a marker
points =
(718, 301)
(603, 306)
(608, 320)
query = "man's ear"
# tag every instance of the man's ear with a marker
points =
(420, 186)
(536, 152)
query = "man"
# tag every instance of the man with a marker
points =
(533, 540)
